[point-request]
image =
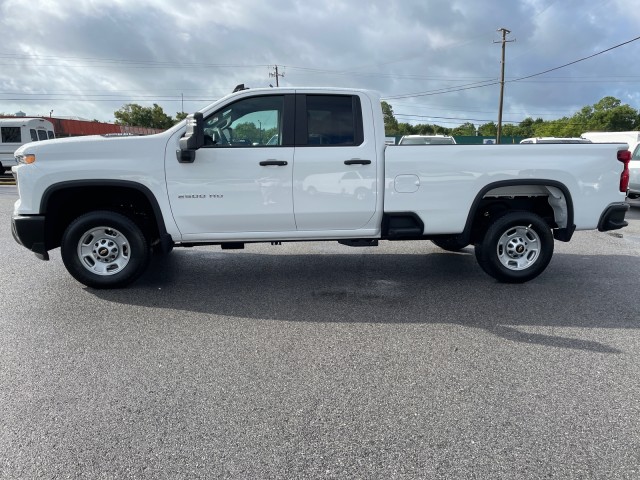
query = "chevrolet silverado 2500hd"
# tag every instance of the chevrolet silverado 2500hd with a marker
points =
(277, 165)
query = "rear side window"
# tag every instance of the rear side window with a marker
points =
(11, 135)
(636, 153)
(332, 120)
(34, 135)
(42, 134)
(50, 134)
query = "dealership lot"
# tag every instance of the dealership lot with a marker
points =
(316, 360)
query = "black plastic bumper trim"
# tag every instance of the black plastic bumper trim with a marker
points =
(28, 231)
(613, 217)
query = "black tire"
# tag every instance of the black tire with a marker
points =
(516, 248)
(104, 249)
(451, 244)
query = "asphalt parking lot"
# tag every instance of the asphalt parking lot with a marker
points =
(316, 360)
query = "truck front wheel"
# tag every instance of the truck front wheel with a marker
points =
(516, 247)
(104, 249)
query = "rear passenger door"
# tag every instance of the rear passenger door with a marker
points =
(335, 164)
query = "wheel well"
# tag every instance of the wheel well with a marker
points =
(64, 205)
(491, 208)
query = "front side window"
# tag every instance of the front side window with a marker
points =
(42, 134)
(331, 120)
(11, 135)
(255, 121)
(636, 153)
(34, 135)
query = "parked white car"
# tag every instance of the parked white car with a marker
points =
(427, 140)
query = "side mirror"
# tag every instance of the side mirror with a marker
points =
(193, 138)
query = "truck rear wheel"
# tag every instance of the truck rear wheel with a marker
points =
(516, 247)
(104, 249)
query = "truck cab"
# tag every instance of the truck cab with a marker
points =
(280, 163)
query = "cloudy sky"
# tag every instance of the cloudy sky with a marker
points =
(434, 61)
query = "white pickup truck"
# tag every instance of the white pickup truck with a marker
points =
(279, 165)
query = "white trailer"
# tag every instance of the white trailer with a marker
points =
(15, 132)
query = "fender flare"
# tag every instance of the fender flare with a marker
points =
(148, 194)
(562, 234)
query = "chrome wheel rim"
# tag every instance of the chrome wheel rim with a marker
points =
(104, 251)
(518, 248)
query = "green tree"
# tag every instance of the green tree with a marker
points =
(405, 129)
(488, 129)
(608, 114)
(247, 131)
(390, 122)
(424, 129)
(526, 127)
(180, 116)
(611, 116)
(466, 129)
(253, 134)
(510, 130)
(135, 115)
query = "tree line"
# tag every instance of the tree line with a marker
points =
(609, 114)
(135, 115)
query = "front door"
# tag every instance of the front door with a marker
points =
(241, 180)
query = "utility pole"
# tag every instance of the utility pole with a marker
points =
(504, 41)
(277, 75)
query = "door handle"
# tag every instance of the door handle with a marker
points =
(357, 161)
(279, 163)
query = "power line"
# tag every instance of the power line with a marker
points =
(577, 61)
(471, 86)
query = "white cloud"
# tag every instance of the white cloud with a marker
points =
(90, 59)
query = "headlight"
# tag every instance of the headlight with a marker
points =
(29, 158)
